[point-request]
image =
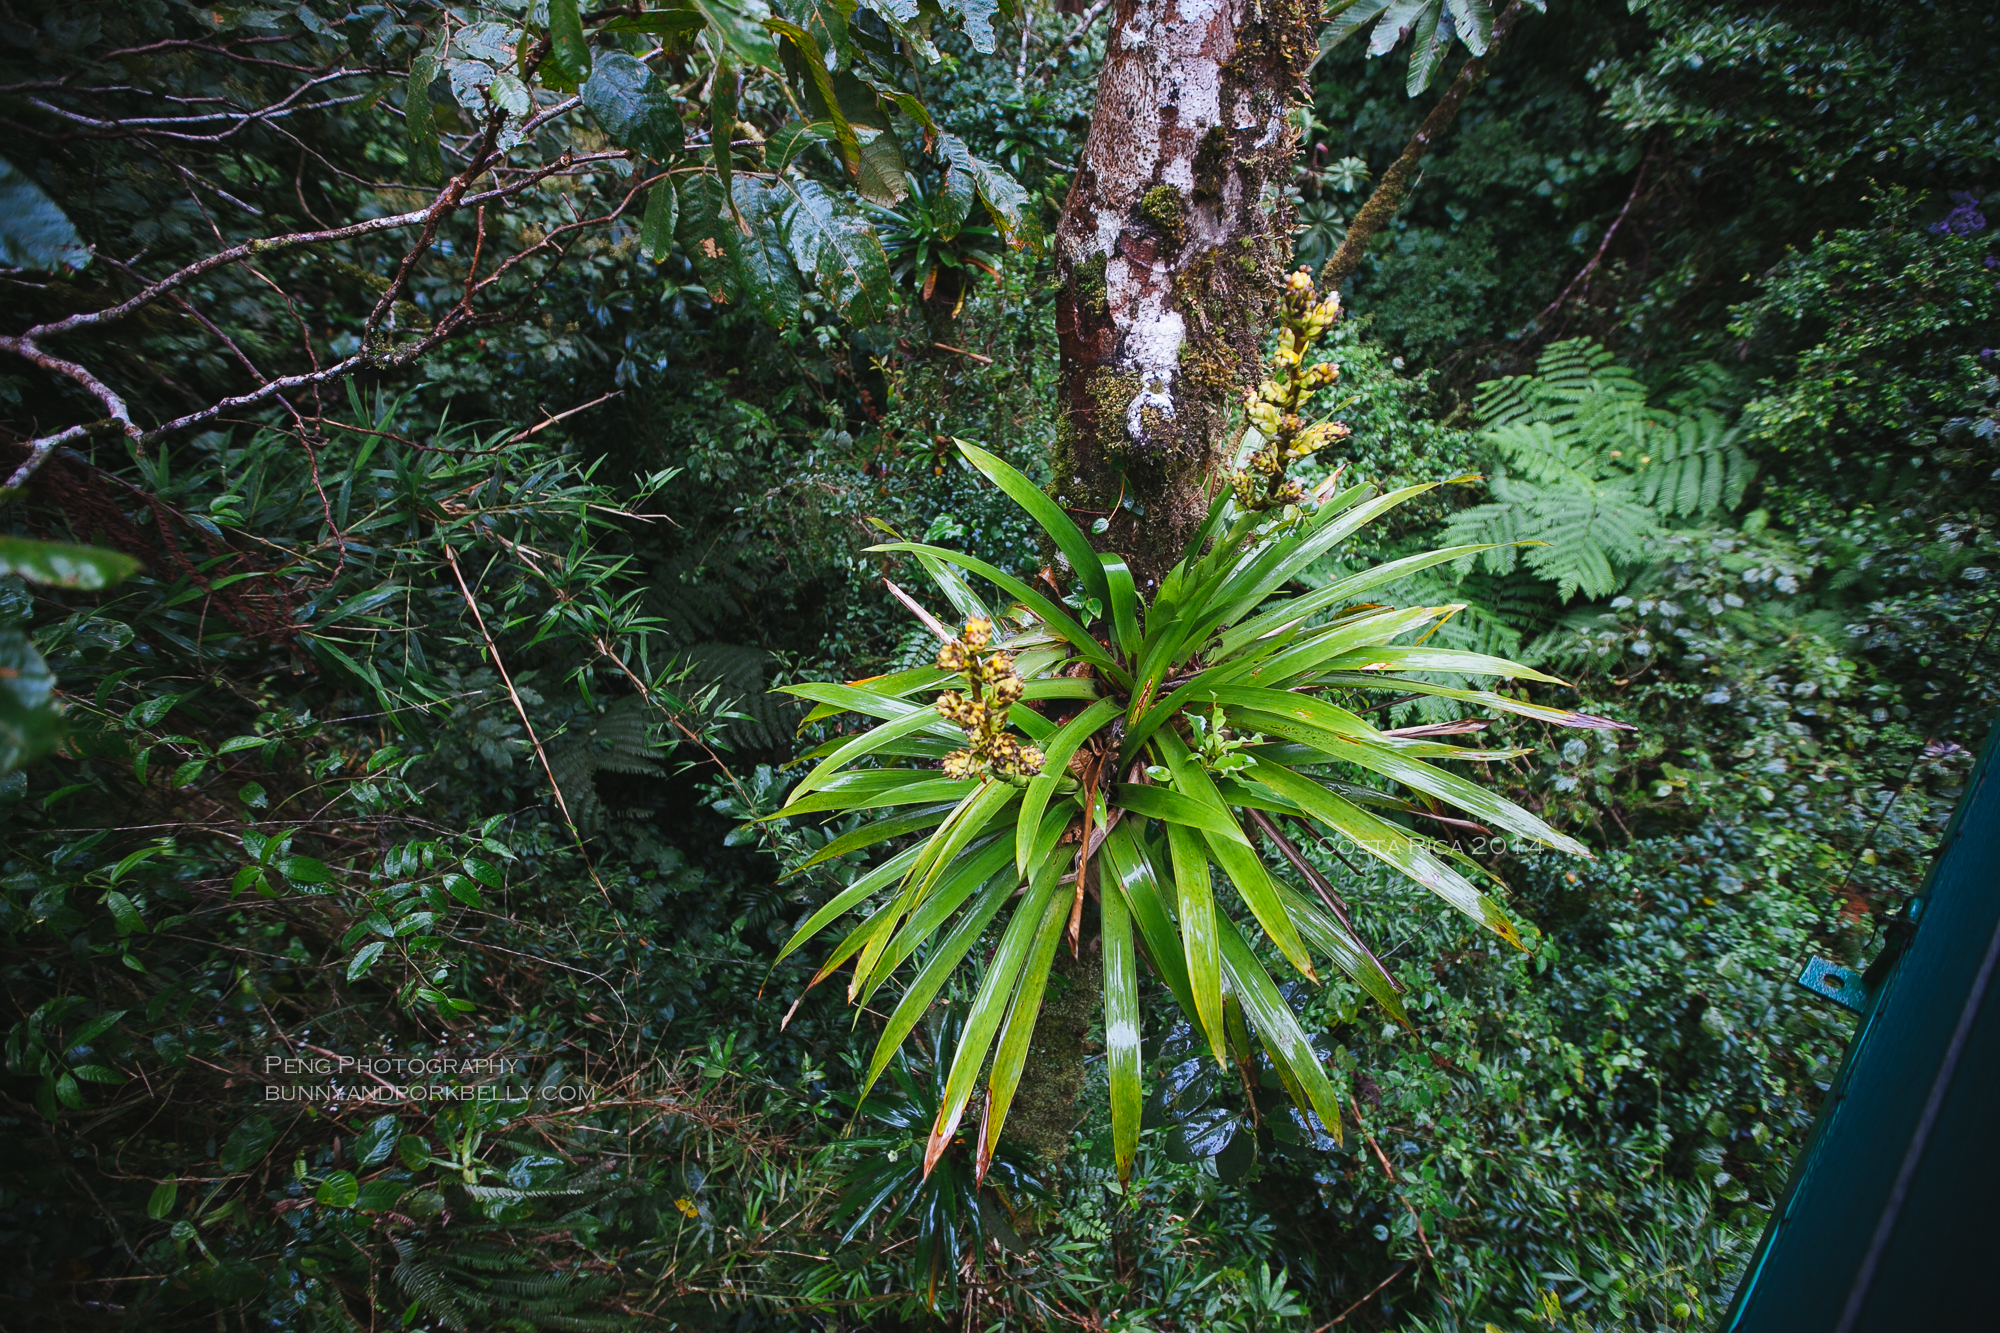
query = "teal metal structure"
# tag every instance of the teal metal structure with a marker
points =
(1891, 1223)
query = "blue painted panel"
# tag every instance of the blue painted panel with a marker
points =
(1892, 1221)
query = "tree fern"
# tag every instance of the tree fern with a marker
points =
(1584, 464)
(622, 739)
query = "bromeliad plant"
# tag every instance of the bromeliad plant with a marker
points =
(1174, 739)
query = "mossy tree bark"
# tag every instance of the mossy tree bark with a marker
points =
(1170, 250)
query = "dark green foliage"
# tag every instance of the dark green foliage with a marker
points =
(298, 807)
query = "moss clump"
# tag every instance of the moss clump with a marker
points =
(1111, 392)
(1091, 293)
(1165, 211)
(1161, 432)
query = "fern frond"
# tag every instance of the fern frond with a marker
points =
(1697, 468)
(1588, 532)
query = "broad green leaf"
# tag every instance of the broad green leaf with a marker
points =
(364, 958)
(125, 913)
(1246, 589)
(706, 232)
(634, 106)
(1048, 515)
(566, 42)
(742, 33)
(978, 16)
(1012, 207)
(1121, 1026)
(160, 1205)
(374, 1144)
(305, 870)
(246, 1145)
(770, 284)
(837, 249)
(338, 1190)
(61, 565)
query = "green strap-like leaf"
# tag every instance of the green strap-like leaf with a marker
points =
(1058, 620)
(1323, 931)
(966, 874)
(1124, 605)
(989, 1007)
(1278, 1028)
(1299, 707)
(1175, 809)
(1338, 593)
(1134, 873)
(1012, 1053)
(1389, 843)
(1246, 590)
(1048, 515)
(870, 833)
(873, 790)
(937, 969)
(869, 742)
(964, 824)
(1561, 717)
(1446, 786)
(1437, 659)
(1121, 1025)
(1365, 632)
(1196, 901)
(1056, 751)
(1238, 859)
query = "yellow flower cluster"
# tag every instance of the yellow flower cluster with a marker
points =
(992, 687)
(1274, 405)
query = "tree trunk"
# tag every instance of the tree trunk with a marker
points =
(1169, 254)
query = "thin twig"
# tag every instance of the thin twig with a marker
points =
(493, 649)
(539, 427)
(1341, 1318)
